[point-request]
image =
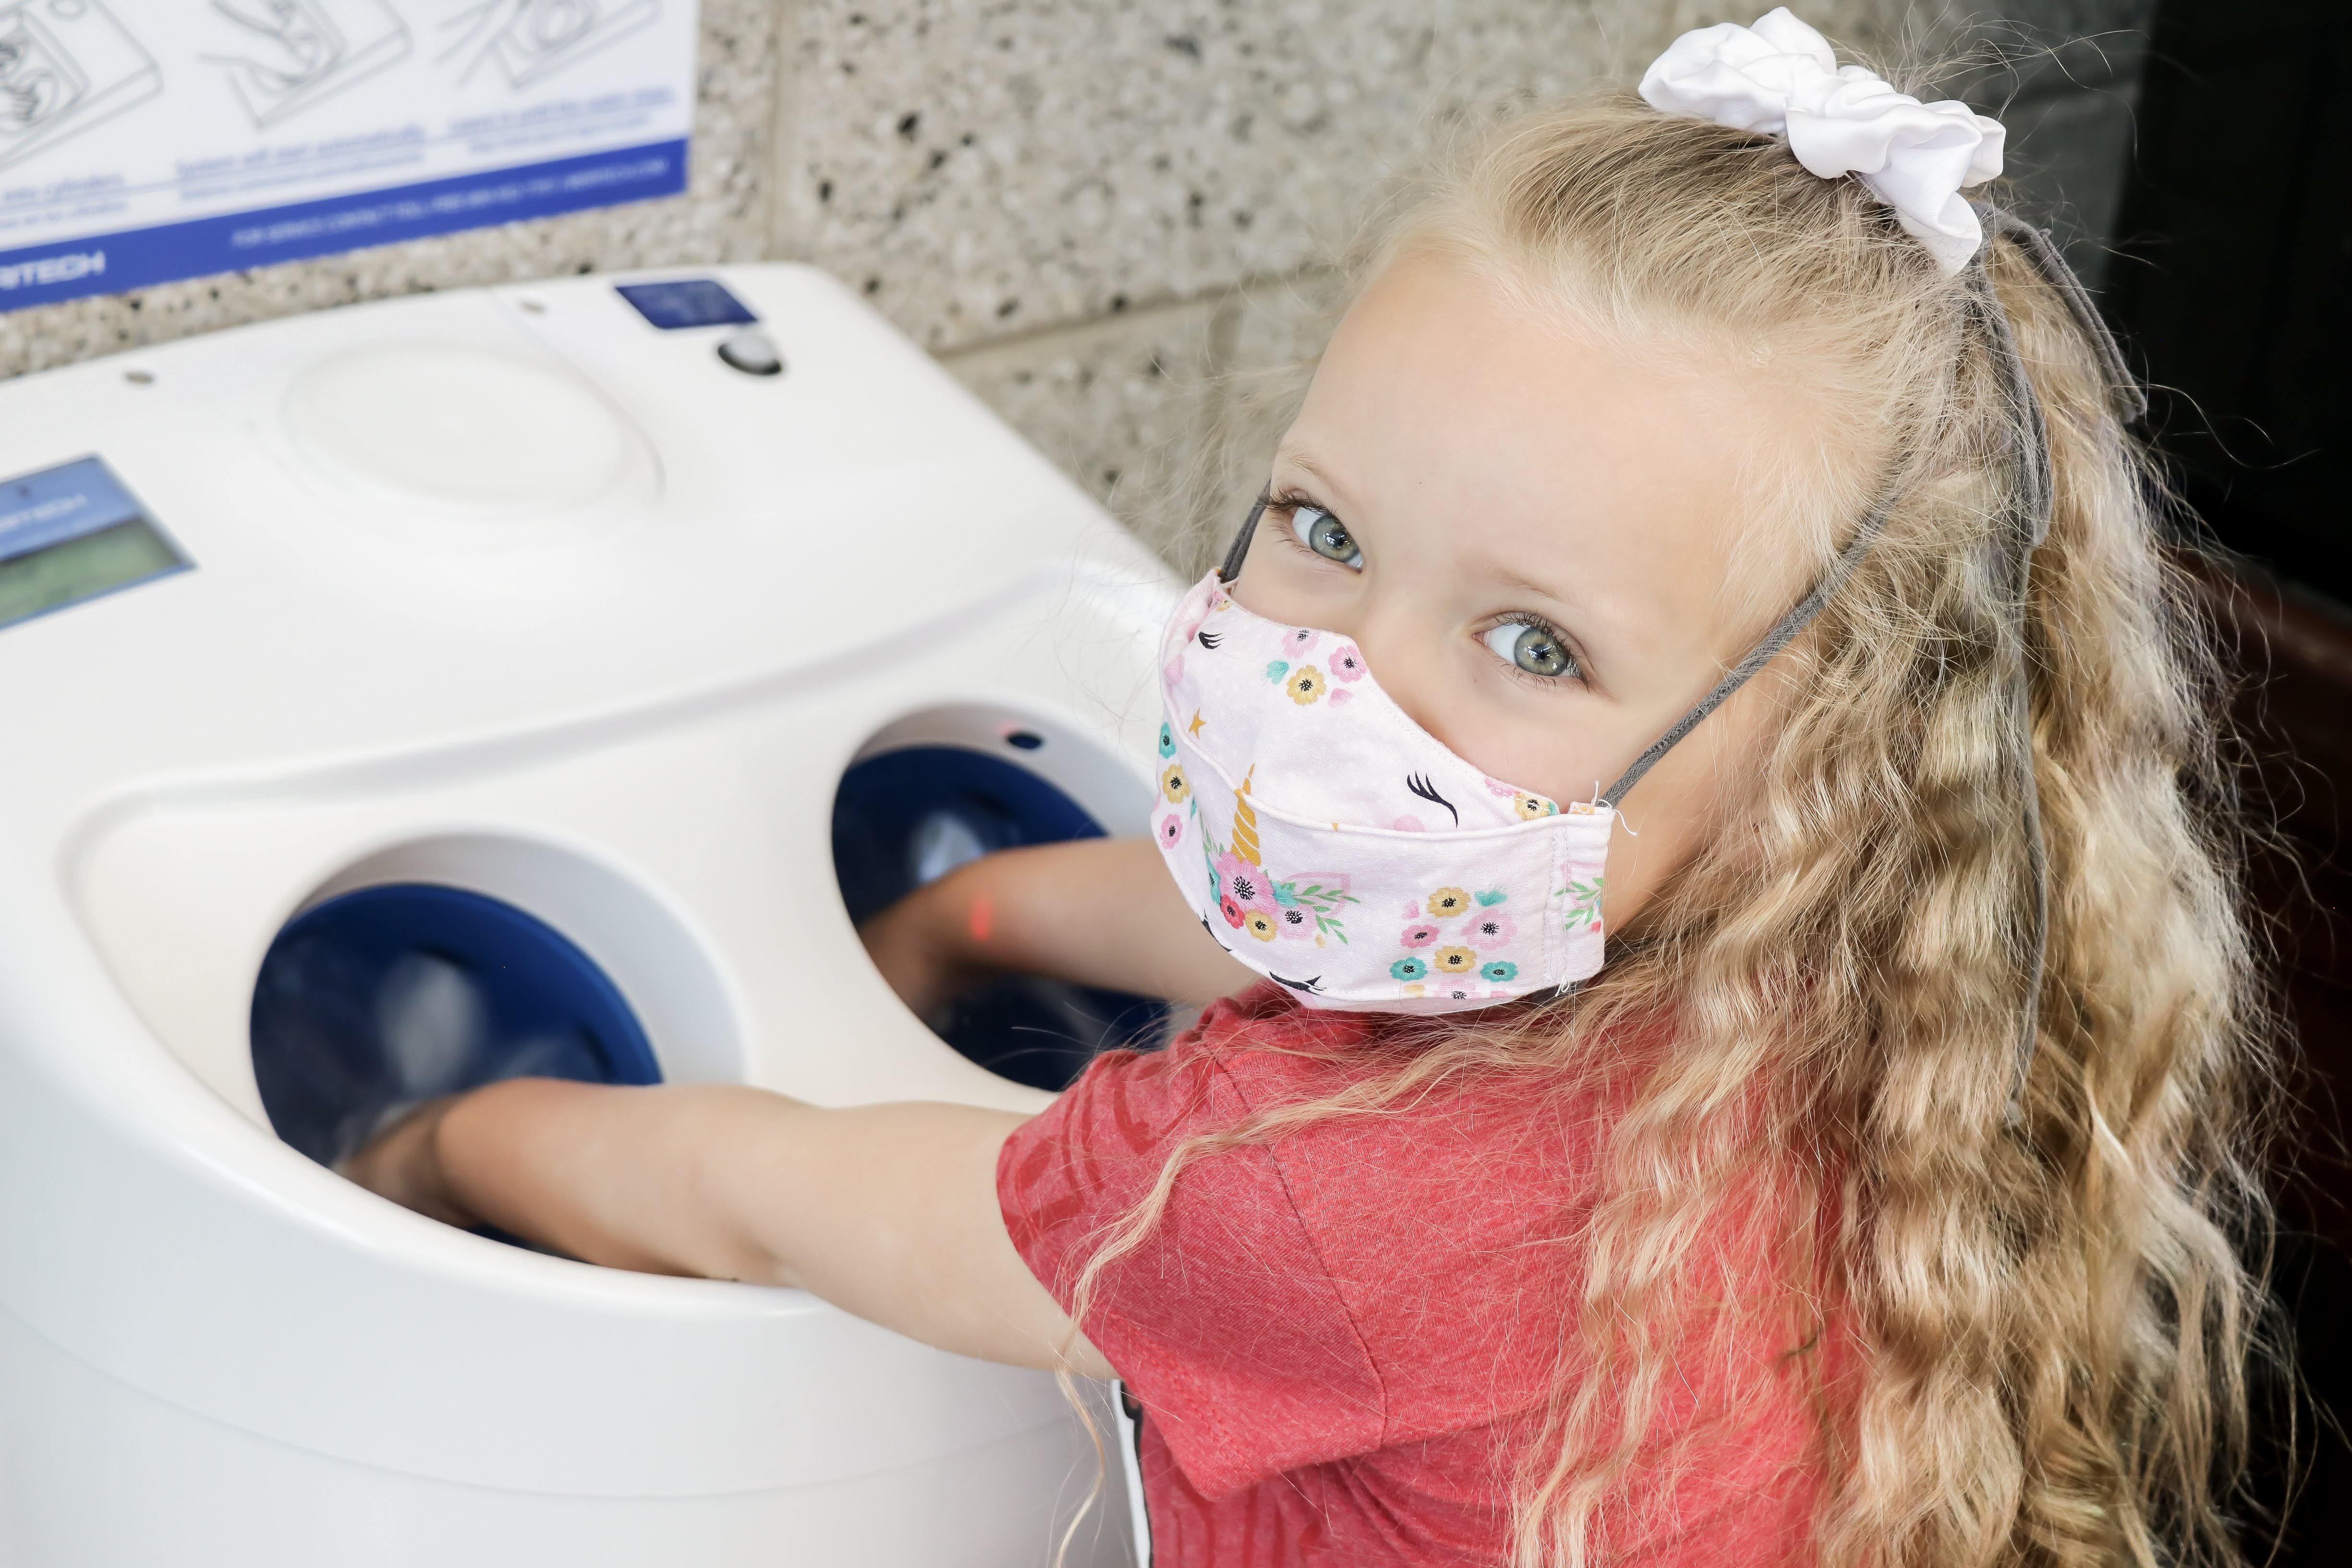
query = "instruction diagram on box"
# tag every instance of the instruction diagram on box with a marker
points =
(65, 66)
(148, 140)
(301, 52)
(526, 41)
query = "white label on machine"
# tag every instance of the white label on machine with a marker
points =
(143, 141)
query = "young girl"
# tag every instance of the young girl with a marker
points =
(1876, 1200)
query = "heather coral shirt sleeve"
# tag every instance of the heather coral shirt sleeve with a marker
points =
(1225, 1322)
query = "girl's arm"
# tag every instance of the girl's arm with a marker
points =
(887, 1211)
(1095, 911)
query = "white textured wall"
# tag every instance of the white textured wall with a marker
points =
(1094, 210)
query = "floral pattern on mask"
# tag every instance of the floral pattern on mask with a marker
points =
(1448, 902)
(1280, 752)
(1304, 907)
(1584, 904)
(1490, 929)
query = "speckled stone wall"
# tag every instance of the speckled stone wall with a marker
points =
(990, 167)
(1101, 213)
(1114, 218)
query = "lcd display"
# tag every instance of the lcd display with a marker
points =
(72, 534)
(687, 302)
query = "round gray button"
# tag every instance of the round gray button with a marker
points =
(752, 351)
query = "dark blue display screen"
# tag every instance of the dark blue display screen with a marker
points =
(687, 302)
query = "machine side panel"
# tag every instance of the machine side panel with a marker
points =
(96, 1475)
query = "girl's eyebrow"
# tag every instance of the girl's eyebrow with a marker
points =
(1580, 612)
(1306, 464)
(1519, 581)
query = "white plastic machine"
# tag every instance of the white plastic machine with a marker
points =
(533, 680)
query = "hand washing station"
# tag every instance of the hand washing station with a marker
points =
(539, 679)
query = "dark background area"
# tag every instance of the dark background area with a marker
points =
(2228, 272)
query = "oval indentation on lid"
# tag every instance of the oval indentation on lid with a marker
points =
(463, 430)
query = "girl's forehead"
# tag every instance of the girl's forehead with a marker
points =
(1451, 411)
(1468, 375)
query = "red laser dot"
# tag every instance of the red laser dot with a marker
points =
(984, 919)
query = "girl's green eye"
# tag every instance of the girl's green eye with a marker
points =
(1534, 649)
(1326, 535)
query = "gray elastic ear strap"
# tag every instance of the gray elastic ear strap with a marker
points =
(2033, 500)
(2030, 501)
(2126, 396)
(1762, 654)
(2034, 479)
(1238, 549)
(1782, 634)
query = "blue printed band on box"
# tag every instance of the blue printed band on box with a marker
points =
(135, 259)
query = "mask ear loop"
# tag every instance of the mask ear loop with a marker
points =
(1784, 632)
(2031, 503)
(2030, 500)
(1238, 551)
(2125, 397)
(2034, 501)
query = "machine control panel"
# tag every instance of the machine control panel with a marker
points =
(676, 304)
(74, 532)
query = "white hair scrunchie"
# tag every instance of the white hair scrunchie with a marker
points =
(1782, 76)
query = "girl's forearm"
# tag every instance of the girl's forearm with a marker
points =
(887, 1211)
(631, 1179)
(1099, 911)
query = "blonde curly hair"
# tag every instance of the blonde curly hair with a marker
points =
(2034, 1287)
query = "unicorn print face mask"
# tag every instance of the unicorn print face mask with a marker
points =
(1333, 845)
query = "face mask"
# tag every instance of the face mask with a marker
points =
(1331, 844)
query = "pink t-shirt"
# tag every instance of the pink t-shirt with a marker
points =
(1341, 1340)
